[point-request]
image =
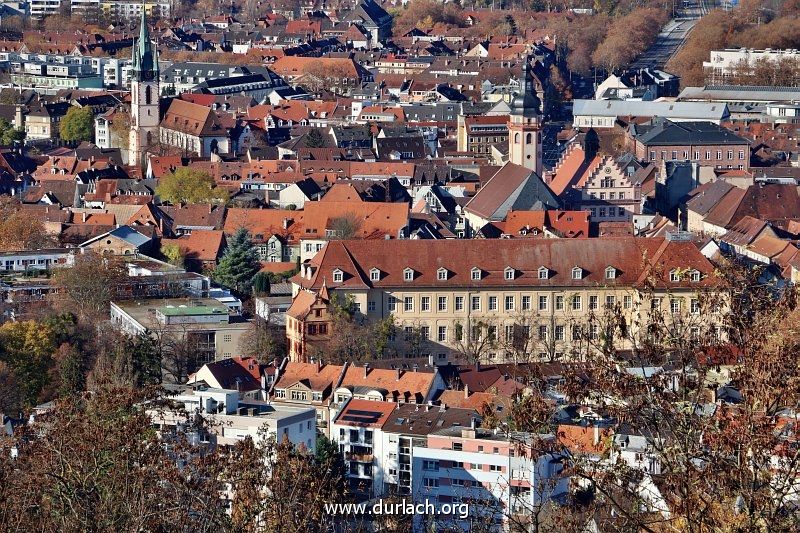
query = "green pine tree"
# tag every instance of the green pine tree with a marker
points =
(261, 284)
(315, 139)
(239, 264)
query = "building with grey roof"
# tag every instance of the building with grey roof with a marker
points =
(604, 113)
(740, 94)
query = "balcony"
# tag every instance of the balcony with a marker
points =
(358, 457)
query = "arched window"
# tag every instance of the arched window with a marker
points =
(516, 138)
(528, 138)
(148, 95)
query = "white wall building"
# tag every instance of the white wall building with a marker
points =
(722, 64)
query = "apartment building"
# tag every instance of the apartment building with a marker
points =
(499, 474)
(504, 298)
(378, 440)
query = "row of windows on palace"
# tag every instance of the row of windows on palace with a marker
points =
(696, 155)
(573, 302)
(510, 273)
(515, 334)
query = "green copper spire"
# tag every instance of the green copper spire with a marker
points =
(145, 53)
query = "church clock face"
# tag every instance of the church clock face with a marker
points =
(148, 75)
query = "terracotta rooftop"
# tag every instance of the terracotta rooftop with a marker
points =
(633, 261)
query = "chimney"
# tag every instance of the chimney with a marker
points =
(84, 216)
(478, 366)
(210, 208)
(366, 369)
(466, 391)
(399, 373)
(319, 365)
(596, 435)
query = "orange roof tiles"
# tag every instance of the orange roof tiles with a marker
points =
(374, 220)
(316, 377)
(200, 245)
(365, 413)
(409, 386)
(264, 223)
(581, 439)
(458, 257)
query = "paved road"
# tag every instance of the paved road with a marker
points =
(671, 38)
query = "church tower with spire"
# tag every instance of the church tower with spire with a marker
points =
(525, 125)
(144, 95)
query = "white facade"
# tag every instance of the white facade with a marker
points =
(723, 63)
(43, 8)
(36, 259)
(457, 466)
(232, 419)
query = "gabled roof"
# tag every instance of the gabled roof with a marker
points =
(315, 377)
(200, 245)
(635, 259)
(365, 413)
(234, 374)
(512, 187)
(410, 385)
(573, 169)
(662, 132)
(707, 195)
(126, 233)
(745, 231)
(264, 223)
(195, 215)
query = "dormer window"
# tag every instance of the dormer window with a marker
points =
(577, 273)
(476, 274)
(509, 273)
(374, 275)
(674, 275)
(695, 275)
(441, 274)
(544, 273)
(408, 274)
(611, 273)
(338, 276)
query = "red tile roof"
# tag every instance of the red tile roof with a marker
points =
(200, 245)
(365, 413)
(458, 257)
(410, 386)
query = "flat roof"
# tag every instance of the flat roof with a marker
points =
(196, 310)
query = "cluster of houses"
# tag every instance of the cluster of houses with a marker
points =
(416, 180)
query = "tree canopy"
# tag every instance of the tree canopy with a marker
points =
(189, 186)
(239, 264)
(77, 124)
(9, 134)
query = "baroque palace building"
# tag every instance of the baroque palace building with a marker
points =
(505, 299)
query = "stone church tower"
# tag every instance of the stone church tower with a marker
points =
(524, 125)
(145, 93)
